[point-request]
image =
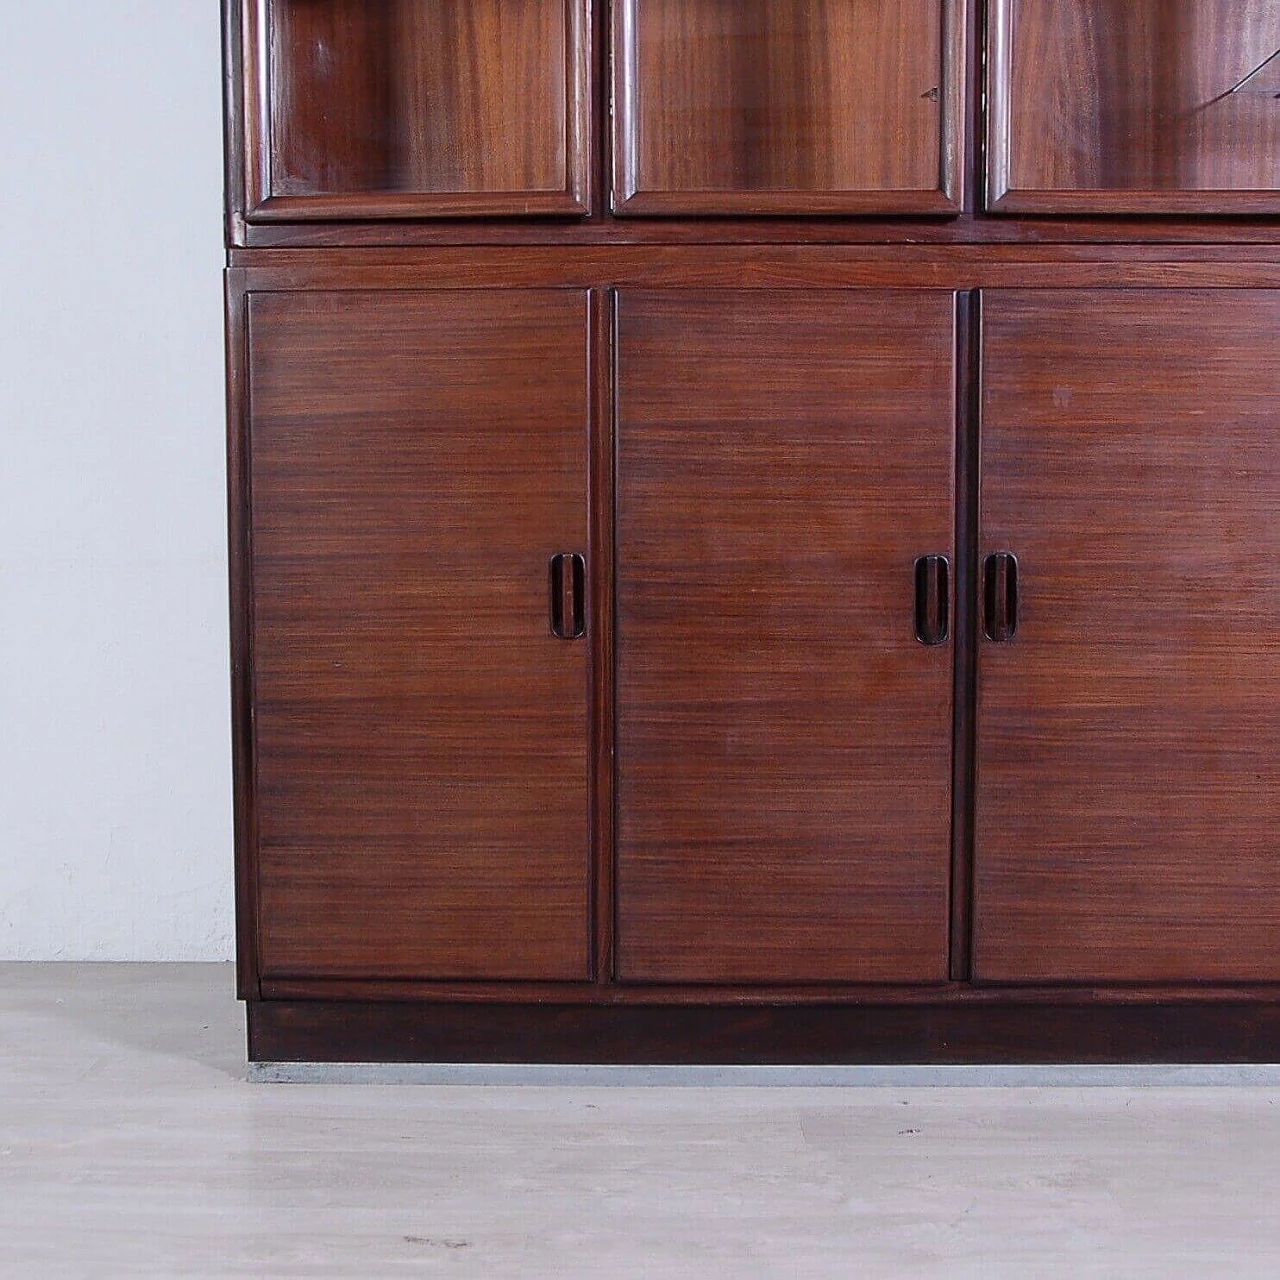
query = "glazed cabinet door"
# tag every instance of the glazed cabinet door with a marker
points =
(1128, 772)
(1134, 106)
(415, 108)
(417, 464)
(784, 667)
(788, 106)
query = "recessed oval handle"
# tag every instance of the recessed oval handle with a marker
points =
(933, 600)
(568, 596)
(1000, 597)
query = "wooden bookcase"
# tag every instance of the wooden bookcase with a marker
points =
(747, 547)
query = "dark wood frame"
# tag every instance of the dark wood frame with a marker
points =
(630, 199)
(257, 204)
(1004, 198)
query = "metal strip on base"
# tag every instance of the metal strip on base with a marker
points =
(1129, 1076)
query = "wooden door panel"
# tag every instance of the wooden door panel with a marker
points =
(1128, 769)
(420, 736)
(783, 739)
(788, 106)
(1132, 106)
(417, 108)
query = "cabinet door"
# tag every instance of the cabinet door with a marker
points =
(783, 737)
(788, 106)
(1128, 768)
(416, 108)
(417, 460)
(1135, 106)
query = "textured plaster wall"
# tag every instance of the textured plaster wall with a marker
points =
(115, 828)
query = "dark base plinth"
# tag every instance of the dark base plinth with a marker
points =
(819, 1035)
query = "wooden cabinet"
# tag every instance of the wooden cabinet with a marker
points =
(416, 461)
(788, 106)
(1134, 106)
(784, 763)
(831, 619)
(416, 108)
(1128, 769)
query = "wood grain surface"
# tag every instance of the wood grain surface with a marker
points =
(756, 106)
(1128, 774)
(784, 752)
(421, 738)
(424, 107)
(1126, 105)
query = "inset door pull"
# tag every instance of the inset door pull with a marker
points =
(1000, 597)
(933, 599)
(568, 597)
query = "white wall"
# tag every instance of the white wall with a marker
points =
(115, 827)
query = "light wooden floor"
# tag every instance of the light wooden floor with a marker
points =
(130, 1145)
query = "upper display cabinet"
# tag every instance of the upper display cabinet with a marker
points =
(359, 109)
(1134, 106)
(788, 106)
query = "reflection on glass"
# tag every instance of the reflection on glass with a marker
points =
(1144, 95)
